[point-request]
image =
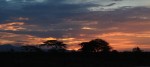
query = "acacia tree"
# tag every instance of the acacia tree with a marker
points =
(96, 45)
(54, 45)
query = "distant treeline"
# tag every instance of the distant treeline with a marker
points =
(93, 46)
(54, 53)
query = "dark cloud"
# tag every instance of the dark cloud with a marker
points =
(116, 16)
(112, 21)
(111, 4)
(43, 12)
(47, 15)
(52, 19)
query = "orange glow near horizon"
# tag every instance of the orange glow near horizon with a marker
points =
(118, 40)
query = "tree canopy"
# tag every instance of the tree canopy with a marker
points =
(96, 45)
(54, 44)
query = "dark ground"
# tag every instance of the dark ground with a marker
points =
(74, 59)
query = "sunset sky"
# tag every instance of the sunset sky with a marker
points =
(123, 23)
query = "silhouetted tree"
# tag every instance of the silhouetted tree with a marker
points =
(86, 47)
(114, 51)
(136, 49)
(54, 45)
(96, 45)
(31, 49)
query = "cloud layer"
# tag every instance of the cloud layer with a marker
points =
(123, 23)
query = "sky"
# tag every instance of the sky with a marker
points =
(125, 24)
